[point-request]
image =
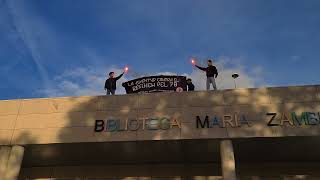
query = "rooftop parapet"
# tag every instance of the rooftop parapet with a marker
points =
(72, 119)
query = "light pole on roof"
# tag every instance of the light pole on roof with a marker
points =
(235, 76)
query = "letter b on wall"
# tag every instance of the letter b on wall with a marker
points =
(99, 126)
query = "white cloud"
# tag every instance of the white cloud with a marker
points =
(167, 73)
(83, 81)
(42, 41)
(226, 67)
(90, 80)
(32, 36)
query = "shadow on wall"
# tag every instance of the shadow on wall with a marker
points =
(254, 103)
(186, 106)
(14, 140)
(14, 156)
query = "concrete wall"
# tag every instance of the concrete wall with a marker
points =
(71, 119)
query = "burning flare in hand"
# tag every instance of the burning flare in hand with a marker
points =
(193, 61)
(126, 69)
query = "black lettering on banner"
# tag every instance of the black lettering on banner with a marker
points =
(203, 124)
(99, 126)
(272, 119)
(155, 84)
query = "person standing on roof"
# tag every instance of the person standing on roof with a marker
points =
(111, 83)
(190, 85)
(211, 72)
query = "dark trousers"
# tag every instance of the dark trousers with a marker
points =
(111, 91)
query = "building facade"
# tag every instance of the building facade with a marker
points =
(254, 134)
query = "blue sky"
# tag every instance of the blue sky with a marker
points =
(60, 48)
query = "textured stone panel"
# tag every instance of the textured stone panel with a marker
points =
(293, 94)
(75, 104)
(36, 106)
(190, 131)
(159, 134)
(160, 101)
(5, 137)
(204, 98)
(119, 102)
(7, 121)
(55, 120)
(8, 107)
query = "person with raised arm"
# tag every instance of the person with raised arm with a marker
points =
(111, 83)
(211, 73)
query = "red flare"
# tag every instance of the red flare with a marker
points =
(193, 61)
(126, 69)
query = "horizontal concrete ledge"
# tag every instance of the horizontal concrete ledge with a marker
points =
(72, 119)
(267, 95)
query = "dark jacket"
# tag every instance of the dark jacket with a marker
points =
(211, 71)
(190, 87)
(111, 83)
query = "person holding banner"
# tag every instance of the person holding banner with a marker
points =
(211, 73)
(111, 83)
